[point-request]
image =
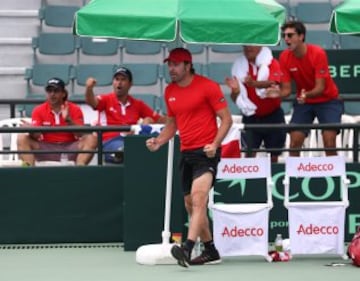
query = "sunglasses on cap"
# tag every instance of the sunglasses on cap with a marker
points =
(289, 34)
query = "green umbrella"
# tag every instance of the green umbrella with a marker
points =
(277, 10)
(192, 21)
(345, 18)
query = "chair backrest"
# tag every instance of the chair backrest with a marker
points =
(149, 99)
(58, 15)
(246, 168)
(9, 140)
(99, 46)
(308, 142)
(142, 47)
(144, 74)
(306, 167)
(41, 73)
(313, 12)
(345, 139)
(54, 43)
(196, 49)
(322, 38)
(226, 48)
(218, 71)
(349, 42)
(103, 73)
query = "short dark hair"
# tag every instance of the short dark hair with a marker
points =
(297, 25)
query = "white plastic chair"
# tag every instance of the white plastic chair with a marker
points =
(306, 144)
(316, 227)
(246, 217)
(8, 141)
(345, 139)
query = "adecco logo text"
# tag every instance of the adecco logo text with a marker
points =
(236, 169)
(315, 167)
(242, 232)
(317, 230)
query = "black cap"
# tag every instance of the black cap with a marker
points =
(124, 71)
(55, 83)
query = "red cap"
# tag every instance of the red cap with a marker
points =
(179, 55)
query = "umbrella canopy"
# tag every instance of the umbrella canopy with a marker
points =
(192, 21)
(345, 18)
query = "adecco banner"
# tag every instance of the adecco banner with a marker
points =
(246, 168)
(315, 166)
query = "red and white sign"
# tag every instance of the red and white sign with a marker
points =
(238, 234)
(248, 168)
(315, 166)
(317, 229)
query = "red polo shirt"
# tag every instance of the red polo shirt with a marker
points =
(43, 115)
(306, 69)
(112, 113)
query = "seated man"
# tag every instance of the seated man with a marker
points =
(56, 111)
(119, 108)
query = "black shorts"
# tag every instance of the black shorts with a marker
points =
(195, 163)
(272, 138)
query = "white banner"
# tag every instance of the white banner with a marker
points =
(237, 234)
(240, 168)
(315, 166)
(317, 229)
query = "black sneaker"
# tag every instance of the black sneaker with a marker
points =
(181, 254)
(207, 257)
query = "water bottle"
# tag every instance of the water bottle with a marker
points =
(197, 248)
(278, 243)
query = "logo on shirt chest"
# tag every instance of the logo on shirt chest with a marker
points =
(112, 109)
(293, 69)
(172, 99)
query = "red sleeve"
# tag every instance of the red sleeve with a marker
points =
(36, 119)
(168, 109)
(76, 114)
(285, 73)
(216, 96)
(320, 62)
(102, 101)
(146, 111)
(275, 71)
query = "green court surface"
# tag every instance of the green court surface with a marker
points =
(110, 262)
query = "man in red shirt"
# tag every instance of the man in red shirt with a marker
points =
(193, 104)
(316, 92)
(56, 111)
(119, 108)
(253, 72)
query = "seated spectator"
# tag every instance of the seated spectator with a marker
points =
(56, 111)
(119, 108)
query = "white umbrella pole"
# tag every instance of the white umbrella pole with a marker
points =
(169, 179)
(161, 253)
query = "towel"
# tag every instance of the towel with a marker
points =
(240, 70)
